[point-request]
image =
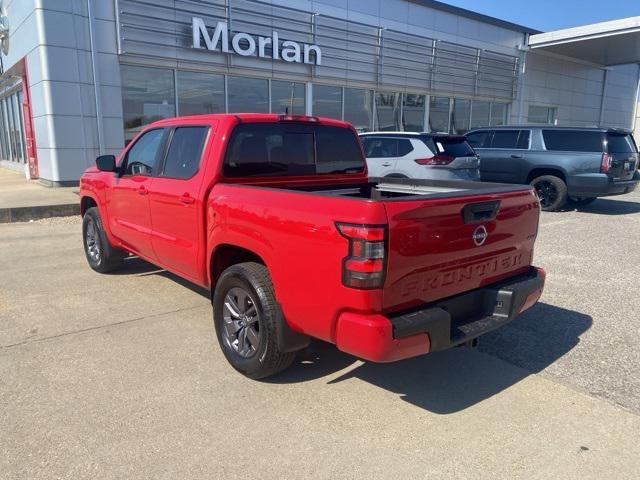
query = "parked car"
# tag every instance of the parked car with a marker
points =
(419, 155)
(277, 217)
(562, 163)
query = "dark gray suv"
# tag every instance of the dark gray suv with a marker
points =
(562, 163)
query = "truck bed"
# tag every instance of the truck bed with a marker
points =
(385, 189)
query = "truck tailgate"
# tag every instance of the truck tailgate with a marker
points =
(443, 247)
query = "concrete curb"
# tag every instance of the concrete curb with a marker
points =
(24, 214)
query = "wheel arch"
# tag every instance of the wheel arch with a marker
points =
(87, 202)
(225, 255)
(547, 170)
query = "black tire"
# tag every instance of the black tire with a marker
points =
(582, 201)
(101, 256)
(238, 333)
(552, 192)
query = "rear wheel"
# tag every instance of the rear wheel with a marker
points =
(582, 201)
(552, 192)
(246, 316)
(101, 256)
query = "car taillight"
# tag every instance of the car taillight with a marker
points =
(364, 265)
(605, 163)
(435, 160)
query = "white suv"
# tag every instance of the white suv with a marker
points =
(420, 155)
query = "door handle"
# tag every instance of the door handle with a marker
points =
(386, 164)
(142, 190)
(516, 156)
(187, 199)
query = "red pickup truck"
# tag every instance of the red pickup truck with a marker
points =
(276, 216)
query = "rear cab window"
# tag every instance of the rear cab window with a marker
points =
(291, 149)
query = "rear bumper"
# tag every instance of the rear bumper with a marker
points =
(440, 325)
(599, 185)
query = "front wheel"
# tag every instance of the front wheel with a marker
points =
(246, 316)
(101, 256)
(552, 192)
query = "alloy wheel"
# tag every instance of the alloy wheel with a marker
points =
(241, 322)
(547, 193)
(92, 241)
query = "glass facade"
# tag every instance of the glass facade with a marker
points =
(358, 106)
(148, 95)
(287, 97)
(151, 93)
(200, 93)
(539, 114)
(245, 95)
(460, 117)
(479, 114)
(387, 117)
(327, 101)
(13, 147)
(413, 112)
(439, 114)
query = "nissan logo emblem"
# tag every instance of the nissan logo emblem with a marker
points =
(479, 235)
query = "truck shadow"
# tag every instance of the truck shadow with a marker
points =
(453, 380)
(604, 206)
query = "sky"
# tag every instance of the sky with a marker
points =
(549, 15)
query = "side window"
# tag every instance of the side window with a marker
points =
(574, 140)
(523, 139)
(404, 147)
(505, 139)
(183, 157)
(477, 139)
(381, 147)
(142, 157)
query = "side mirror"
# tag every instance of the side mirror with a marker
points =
(106, 163)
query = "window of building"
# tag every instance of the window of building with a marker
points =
(246, 95)
(498, 114)
(460, 117)
(148, 94)
(539, 114)
(357, 108)
(439, 114)
(479, 114)
(200, 93)
(183, 156)
(287, 96)
(327, 101)
(413, 112)
(142, 157)
(574, 140)
(387, 117)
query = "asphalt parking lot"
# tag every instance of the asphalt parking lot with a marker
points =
(119, 376)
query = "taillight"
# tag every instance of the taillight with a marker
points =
(605, 163)
(435, 160)
(364, 265)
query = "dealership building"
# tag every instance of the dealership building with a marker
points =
(82, 77)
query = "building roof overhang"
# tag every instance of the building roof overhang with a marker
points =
(616, 42)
